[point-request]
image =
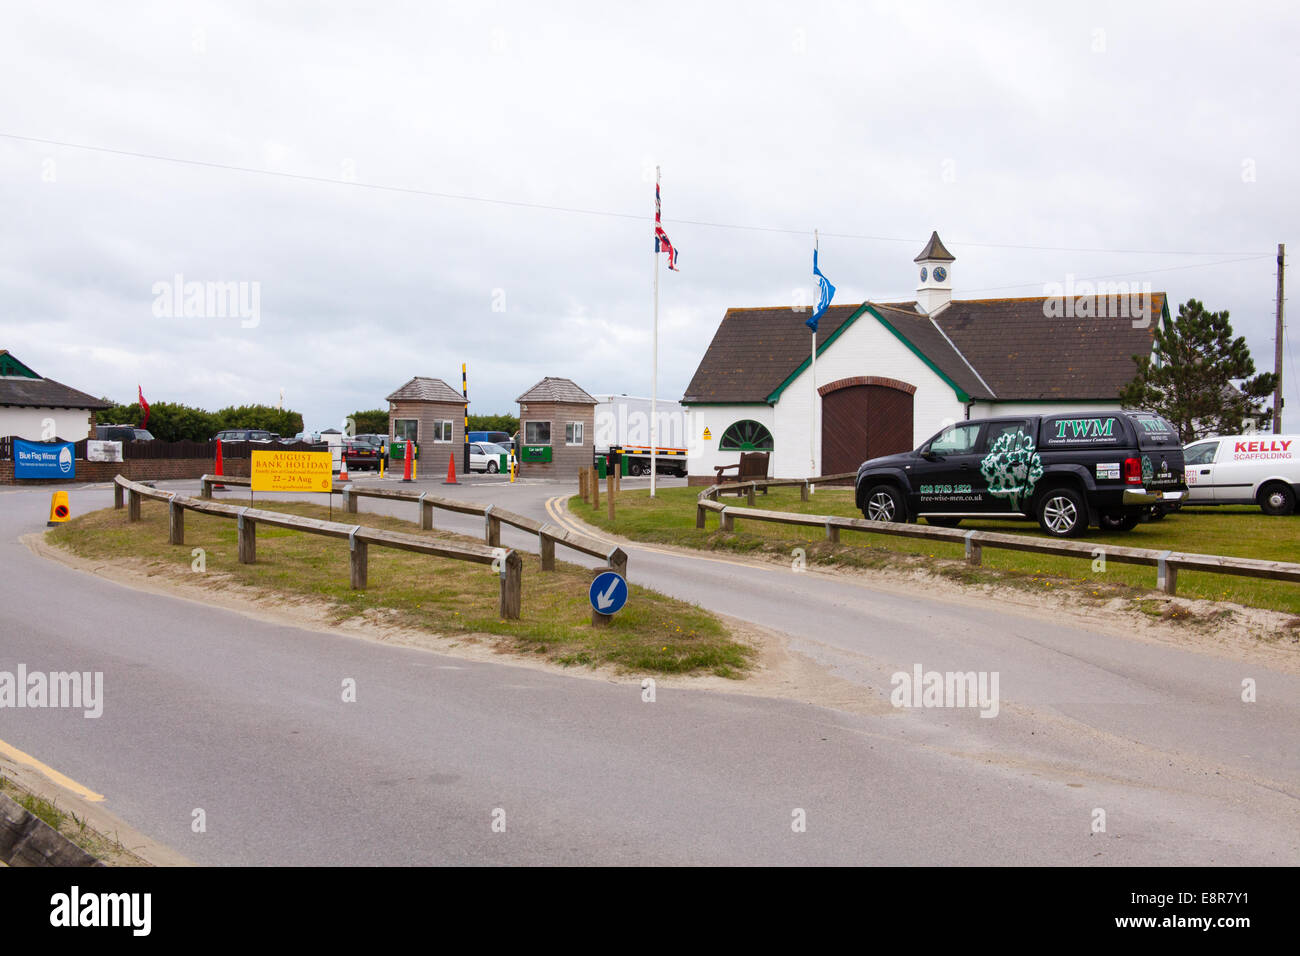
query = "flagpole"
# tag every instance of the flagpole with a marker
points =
(812, 399)
(654, 367)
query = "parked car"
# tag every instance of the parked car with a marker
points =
(361, 454)
(258, 435)
(496, 438)
(1259, 470)
(379, 441)
(486, 456)
(122, 433)
(1067, 470)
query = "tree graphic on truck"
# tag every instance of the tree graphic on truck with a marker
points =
(1012, 468)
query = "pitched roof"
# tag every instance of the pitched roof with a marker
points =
(1003, 349)
(557, 390)
(1024, 351)
(20, 386)
(934, 250)
(755, 350)
(424, 389)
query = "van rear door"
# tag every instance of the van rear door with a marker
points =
(1199, 461)
(1162, 453)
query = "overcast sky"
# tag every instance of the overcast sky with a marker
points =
(1163, 133)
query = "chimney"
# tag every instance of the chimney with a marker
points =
(935, 291)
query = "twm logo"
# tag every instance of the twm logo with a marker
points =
(1085, 428)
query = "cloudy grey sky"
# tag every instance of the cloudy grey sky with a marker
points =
(1158, 132)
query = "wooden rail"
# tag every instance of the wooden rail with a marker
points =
(1166, 563)
(359, 538)
(548, 535)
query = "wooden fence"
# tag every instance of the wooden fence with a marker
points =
(548, 535)
(1166, 563)
(129, 494)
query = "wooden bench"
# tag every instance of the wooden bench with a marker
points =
(751, 467)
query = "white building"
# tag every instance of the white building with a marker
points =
(890, 375)
(37, 409)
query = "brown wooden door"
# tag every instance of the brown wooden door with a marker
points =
(861, 422)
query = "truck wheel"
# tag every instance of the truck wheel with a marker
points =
(1119, 521)
(884, 503)
(1062, 513)
(635, 469)
(1276, 499)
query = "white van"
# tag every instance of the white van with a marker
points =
(1260, 469)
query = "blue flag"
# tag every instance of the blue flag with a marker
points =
(824, 297)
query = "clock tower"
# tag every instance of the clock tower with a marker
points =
(934, 266)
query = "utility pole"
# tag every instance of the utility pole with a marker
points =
(1277, 344)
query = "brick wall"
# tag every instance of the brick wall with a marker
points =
(565, 459)
(137, 469)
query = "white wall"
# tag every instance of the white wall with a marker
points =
(865, 348)
(72, 424)
(702, 453)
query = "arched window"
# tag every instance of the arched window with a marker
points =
(746, 435)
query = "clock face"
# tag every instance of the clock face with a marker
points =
(940, 273)
(923, 273)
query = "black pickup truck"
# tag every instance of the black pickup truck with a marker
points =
(1068, 471)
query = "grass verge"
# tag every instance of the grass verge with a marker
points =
(107, 849)
(653, 633)
(669, 518)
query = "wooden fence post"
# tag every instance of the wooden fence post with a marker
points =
(832, 533)
(349, 500)
(595, 488)
(1166, 575)
(512, 574)
(358, 563)
(546, 545)
(974, 552)
(598, 619)
(618, 562)
(803, 491)
(175, 522)
(610, 484)
(247, 540)
(728, 522)
(132, 505)
(491, 528)
(426, 514)
(699, 515)
(118, 496)
(205, 489)
(750, 494)
(582, 484)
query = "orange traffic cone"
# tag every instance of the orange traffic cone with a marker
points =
(451, 470)
(343, 466)
(217, 469)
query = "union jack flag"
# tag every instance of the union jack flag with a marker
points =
(662, 243)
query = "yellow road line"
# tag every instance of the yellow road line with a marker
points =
(67, 783)
(553, 509)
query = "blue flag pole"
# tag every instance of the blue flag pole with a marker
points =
(812, 399)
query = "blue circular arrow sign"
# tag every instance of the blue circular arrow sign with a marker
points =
(608, 592)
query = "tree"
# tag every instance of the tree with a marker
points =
(1200, 378)
(494, 423)
(1012, 468)
(169, 421)
(371, 422)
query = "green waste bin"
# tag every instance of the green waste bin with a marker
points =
(600, 467)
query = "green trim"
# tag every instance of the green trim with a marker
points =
(11, 367)
(962, 396)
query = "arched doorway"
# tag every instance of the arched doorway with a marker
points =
(864, 417)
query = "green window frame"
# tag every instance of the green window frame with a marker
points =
(746, 435)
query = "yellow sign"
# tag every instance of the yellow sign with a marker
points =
(292, 470)
(707, 434)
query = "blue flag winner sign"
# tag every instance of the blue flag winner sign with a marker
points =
(44, 460)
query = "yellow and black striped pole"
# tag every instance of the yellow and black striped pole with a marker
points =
(464, 393)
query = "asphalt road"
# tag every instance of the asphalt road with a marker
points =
(207, 708)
